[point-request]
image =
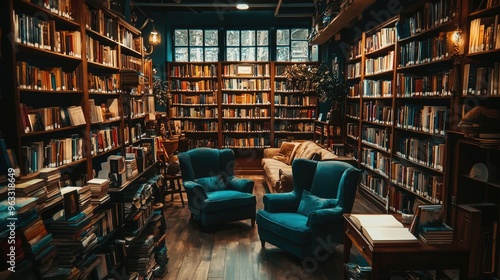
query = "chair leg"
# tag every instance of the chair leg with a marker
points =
(263, 243)
(179, 188)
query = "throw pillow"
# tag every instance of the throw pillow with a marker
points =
(286, 181)
(211, 183)
(315, 157)
(310, 202)
(287, 151)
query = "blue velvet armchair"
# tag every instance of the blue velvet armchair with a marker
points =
(215, 195)
(308, 219)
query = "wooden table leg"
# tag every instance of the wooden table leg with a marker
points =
(347, 251)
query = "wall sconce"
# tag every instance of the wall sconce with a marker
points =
(154, 40)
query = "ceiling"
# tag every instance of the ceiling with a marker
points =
(281, 8)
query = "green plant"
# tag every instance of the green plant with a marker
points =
(161, 91)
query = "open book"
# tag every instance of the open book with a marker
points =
(383, 229)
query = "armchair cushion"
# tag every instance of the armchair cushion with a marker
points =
(211, 183)
(281, 202)
(240, 184)
(227, 199)
(291, 226)
(310, 203)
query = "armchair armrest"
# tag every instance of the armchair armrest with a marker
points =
(195, 192)
(240, 184)
(281, 202)
(322, 216)
(270, 152)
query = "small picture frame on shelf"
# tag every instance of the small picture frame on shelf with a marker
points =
(320, 116)
(244, 70)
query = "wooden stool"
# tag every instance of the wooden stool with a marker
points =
(173, 185)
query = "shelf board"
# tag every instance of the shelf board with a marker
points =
(373, 146)
(294, 106)
(418, 164)
(38, 133)
(247, 118)
(446, 26)
(492, 53)
(107, 152)
(373, 170)
(426, 64)
(106, 122)
(100, 37)
(129, 51)
(36, 91)
(420, 132)
(194, 77)
(376, 123)
(380, 74)
(382, 50)
(193, 105)
(491, 11)
(244, 104)
(407, 189)
(35, 174)
(130, 181)
(340, 21)
(244, 90)
(293, 132)
(100, 66)
(476, 181)
(193, 91)
(425, 97)
(199, 131)
(377, 97)
(39, 52)
(380, 199)
(294, 119)
(61, 21)
(246, 132)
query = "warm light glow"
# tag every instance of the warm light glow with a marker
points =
(242, 7)
(154, 38)
(457, 35)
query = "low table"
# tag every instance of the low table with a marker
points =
(383, 259)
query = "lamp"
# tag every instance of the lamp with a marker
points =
(154, 40)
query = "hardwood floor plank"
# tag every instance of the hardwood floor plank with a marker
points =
(216, 269)
(202, 270)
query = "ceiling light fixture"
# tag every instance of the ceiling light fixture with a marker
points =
(242, 7)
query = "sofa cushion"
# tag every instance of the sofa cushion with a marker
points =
(291, 226)
(287, 152)
(227, 199)
(310, 202)
(308, 148)
(286, 181)
(211, 183)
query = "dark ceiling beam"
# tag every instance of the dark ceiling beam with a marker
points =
(221, 5)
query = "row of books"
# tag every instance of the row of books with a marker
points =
(484, 34)
(381, 39)
(129, 39)
(101, 23)
(439, 84)
(427, 50)
(246, 98)
(136, 133)
(104, 140)
(57, 152)
(374, 88)
(356, 49)
(377, 111)
(295, 100)
(104, 83)
(353, 130)
(201, 125)
(376, 184)
(481, 80)
(137, 108)
(289, 86)
(289, 113)
(354, 70)
(293, 126)
(422, 151)
(204, 85)
(481, 5)
(246, 127)
(257, 70)
(198, 99)
(432, 15)
(192, 70)
(353, 110)
(430, 119)
(257, 112)
(104, 112)
(100, 53)
(131, 62)
(246, 84)
(198, 112)
(376, 161)
(63, 8)
(418, 181)
(249, 142)
(47, 78)
(35, 32)
(380, 64)
(379, 137)
(45, 119)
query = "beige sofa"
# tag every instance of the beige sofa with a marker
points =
(271, 166)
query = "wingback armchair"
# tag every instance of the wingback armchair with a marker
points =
(215, 194)
(306, 220)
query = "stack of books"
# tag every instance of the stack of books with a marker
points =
(131, 164)
(99, 191)
(428, 225)
(33, 188)
(51, 176)
(141, 255)
(84, 198)
(436, 234)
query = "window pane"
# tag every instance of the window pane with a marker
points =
(181, 37)
(211, 54)
(248, 54)
(248, 38)
(262, 53)
(300, 49)
(282, 37)
(233, 54)
(196, 54)
(181, 54)
(299, 34)
(233, 38)
(211, 37)
(262, 38)
(196, 37)
(282, 54)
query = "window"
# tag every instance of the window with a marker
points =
(247, 45)
(196, 45)
(292, 44)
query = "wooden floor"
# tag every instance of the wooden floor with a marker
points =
(233, 251)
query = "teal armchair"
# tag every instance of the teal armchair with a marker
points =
(215, 194)
(308, 219)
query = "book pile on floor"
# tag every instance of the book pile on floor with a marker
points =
(84, 198)
(141, 255)
(99, 190)
(53, 186)
(33, 188)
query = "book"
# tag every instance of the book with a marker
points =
(383, 230)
